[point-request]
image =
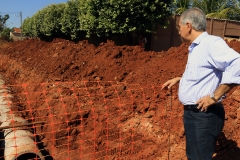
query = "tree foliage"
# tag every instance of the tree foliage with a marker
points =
(213, 8)
(179, 6)
(45, 23)
(106, 17)
(5, 33)
(78, 18)
(3, 20)
(234, 10)
(51, 23)
(70, 23)
(28, 27)
(221, 9)
(37, 22)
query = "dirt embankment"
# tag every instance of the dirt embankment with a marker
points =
(105, 102)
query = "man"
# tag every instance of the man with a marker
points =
(213, 68)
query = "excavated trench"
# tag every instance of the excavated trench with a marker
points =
(105, 102)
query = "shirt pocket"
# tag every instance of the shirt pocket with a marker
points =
(192, 72)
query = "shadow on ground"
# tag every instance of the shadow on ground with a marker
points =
(227, 149)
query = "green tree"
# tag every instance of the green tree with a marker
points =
(28, 28)
(179, 6)
(51, 20)
(45, 23)
(3, 20)
(70, 23)
(234, 13)
(5, 34)
(106, 17)
(222, 9)
(37, 23)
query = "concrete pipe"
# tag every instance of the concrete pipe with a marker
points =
(18, 143)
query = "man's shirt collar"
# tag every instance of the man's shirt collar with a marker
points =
(200, 37)
(197, 41)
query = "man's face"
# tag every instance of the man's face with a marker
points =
(183, 30)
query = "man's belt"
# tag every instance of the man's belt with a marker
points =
(193, 107)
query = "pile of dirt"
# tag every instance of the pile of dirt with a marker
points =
(105, 102)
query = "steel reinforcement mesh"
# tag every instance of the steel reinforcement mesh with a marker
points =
(101, 120)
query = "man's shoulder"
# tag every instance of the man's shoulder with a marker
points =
(213, 37)
(210, 39)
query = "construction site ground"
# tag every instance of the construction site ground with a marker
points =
(106, 102)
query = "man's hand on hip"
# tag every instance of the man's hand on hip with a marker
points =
(205, 102)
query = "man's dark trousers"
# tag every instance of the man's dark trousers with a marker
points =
(202, 130)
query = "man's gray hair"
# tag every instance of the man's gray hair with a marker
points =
(196, 17)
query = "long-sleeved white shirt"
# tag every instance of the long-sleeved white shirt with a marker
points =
(211, 62)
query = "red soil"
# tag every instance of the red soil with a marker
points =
(105, 102)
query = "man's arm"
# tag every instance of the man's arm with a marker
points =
(206, 101)
(171, 82)
(223, 89)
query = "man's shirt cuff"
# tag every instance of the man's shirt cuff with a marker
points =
(229, 78)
